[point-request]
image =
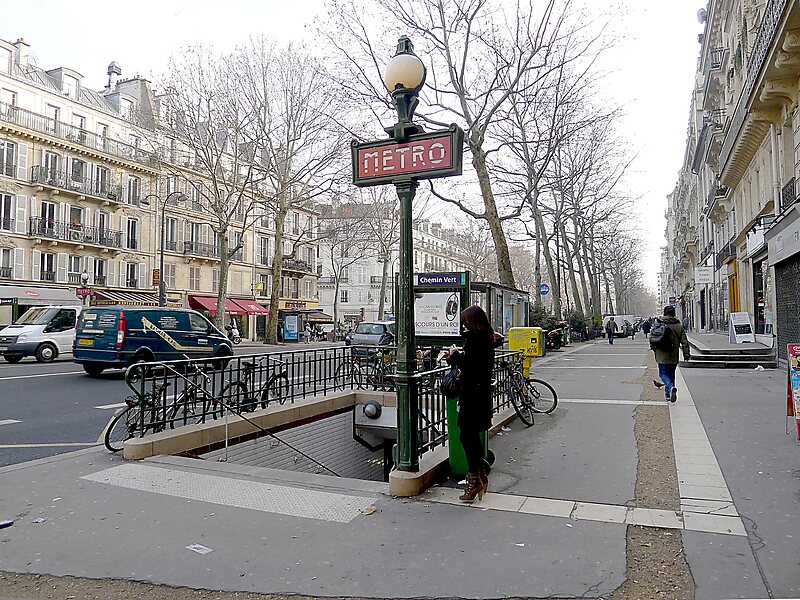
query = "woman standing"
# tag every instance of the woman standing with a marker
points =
(476, 362)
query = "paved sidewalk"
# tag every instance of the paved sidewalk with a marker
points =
(719, 342)
(554, 525)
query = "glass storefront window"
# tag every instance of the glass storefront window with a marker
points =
(758, 296)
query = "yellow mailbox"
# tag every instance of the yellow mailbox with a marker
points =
(528, 339)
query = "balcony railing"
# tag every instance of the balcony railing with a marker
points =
(47, 276)
(132, 283)
(727, 251)
(331, 280)
(73, 232)
(715, 58)
(74, 278)
(292, 264)
(5, 272)
(238, 255)
(200, 249)
(99, 279)
(7, 224)
(8, 169)
(78, 184)
(773, 13)
(171, 245)
(788, 194)
(65, 131)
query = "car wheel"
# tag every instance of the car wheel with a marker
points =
(12, 358)
(46, 353)
(135, 372)
(93, 370)
(223, 355)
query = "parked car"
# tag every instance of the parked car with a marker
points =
(378, 333)
(118, 336)
(42, 331)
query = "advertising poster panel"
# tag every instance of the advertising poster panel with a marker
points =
(290, 328)
(793, 388)
(437, 314)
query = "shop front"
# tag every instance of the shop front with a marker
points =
(16, 299)
(292, 318)
(113, 298)
(232, 311)
(783, 240)
(506, 307)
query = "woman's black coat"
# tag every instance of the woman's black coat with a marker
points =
(476, 362)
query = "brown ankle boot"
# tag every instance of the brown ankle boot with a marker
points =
(473, 489)
(485, 482)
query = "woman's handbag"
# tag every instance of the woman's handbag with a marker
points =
(450, 385)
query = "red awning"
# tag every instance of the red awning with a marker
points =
(209, 303)
(252, 307)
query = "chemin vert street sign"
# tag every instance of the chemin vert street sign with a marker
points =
(423, 156)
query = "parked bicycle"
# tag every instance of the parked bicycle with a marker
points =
(128, 422)
(195, 403)
(248, 392)
(372, 372)
(529, 395)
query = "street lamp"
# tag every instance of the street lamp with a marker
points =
(84, 281)
(179, 197)
(404, 77)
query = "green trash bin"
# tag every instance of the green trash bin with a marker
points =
(458, 460)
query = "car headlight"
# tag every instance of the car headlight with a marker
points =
(22, 337)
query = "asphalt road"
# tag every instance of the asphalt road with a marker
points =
(52, 408)
(48, 409)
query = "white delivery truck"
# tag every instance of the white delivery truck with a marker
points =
(42, 331)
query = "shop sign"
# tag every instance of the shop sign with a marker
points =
(793, 387)
(755, 241)
(740, 329)
(704, 275)
(437, 314)
(4, 301)
(84, 291)
(783, 238)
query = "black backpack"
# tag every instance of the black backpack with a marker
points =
(661, 337)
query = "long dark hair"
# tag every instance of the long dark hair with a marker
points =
(476, 321)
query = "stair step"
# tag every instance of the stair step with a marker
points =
(731, 357)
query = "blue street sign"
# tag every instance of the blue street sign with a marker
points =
(544, 289)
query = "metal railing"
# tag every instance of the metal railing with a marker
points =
(47, 276)
(73, 232)
(99, 279)
(43, 124)
(132, 283)
(773, 13)
(7, 224)
(201, 249)
(6, 272)
(73, 278)
(9, 169)
(788, 194)
(292, 264)
(715, 57)
(79, 184)
(198, 391)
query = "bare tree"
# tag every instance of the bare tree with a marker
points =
(208, 131)
(303, 152)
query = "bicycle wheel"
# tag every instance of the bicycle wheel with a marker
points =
(542, 396)
(277, 391)
(122, 427)
(235, 396)
(519, 399)
(188, 410)
(348, 376)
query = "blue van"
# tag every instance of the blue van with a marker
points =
(113, 337)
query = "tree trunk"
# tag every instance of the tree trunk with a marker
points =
(609, 301)
(505, 272)
(277, 272)
(548, 260)
(571, 262)
(384, 279)
(537, 270)
(338, 279)
(222, 289)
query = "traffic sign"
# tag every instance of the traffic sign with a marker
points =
(544, 289)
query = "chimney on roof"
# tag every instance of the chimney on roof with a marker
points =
(114, 71)
(21, 55)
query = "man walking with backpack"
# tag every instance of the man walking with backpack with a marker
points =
(611, 329)
(666, 336)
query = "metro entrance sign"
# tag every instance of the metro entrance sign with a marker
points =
(422, 156)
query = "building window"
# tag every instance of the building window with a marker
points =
(263, 251)
(78, 171)
(6, 268)
(194, 278)
(8, 97)
(51, 165)
(362, 296)
(102, 136)
(308, 289)
(6, 212)
(344, 296)
(215, 280)
(134, 189)
(133, 234)
(52, 113)
(99, 271)
(47, 269)
(171, 234)
(131, 275)
(126, 108)
(169, 276)
(263, 285)
(295, 287)
(8, 158)
(102, 185)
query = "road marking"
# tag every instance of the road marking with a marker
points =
(110, 406)
(9, 421)
(39, 375)
(570, 367)
(56, 445)
(593, 401)
(590, 511)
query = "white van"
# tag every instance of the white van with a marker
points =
(43, 332)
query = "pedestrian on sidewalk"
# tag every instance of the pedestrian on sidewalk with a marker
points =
(611, 329)
(476, 362)
(666, 337)
(646, 327)
(307, 333)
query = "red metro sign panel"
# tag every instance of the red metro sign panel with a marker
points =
(423, 156)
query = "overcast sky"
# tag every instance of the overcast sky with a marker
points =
(653, 64)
